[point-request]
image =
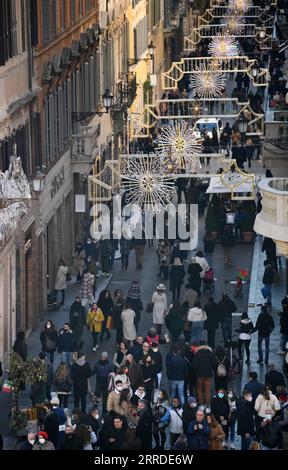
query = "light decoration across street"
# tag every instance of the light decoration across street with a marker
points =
(206, 82)
(234, 179)
(239, 6)
(223, 45)
(179, 146)
(234, 24)
(146, 182)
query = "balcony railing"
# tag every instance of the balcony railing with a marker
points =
(125, 94)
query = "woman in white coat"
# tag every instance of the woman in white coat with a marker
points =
(197, 316)
(61, 279)
(159, 301)
(128, 318)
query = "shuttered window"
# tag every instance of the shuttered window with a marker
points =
(141, 37)
(72, 11)
(23, 25)
(33, 23)
(63, 14)
(49, 20)
(8, 30)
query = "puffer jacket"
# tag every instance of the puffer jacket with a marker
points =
(205, 362)
(196, 314)
(262, 405)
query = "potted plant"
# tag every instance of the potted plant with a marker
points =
(248, 222)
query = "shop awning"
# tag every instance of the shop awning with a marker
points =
(216, 186)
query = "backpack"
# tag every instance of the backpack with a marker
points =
(221, 369)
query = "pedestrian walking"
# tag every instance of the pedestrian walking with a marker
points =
(134, 372)
(128, 317)
(125, 249)
(265, 402)
(223, 368)
(61, 280)
(174, 320)
(226, 307)
(204, 363)
(63, 383)
(274, 379)
(173, 418)
(164, 252)
(20, 345)
(232, 418)
(159, 410)
(145, 424)
(209, 247)
(245, 419)
(134, 299)
(149, 372)
(254, 386)
(105, 302)
(102, 370)
(217, 435)
(49, 375)
(264, 325)
(118, 301)
(198, 432)
(65, 343)
(268, 279)
(211, 324)
(120, 356)
(177, 371)
(228, 241)
(80, 373)
(159, 301)
(270, 434)
(197, 316)
(95, 320)
(245, 334)
(177, 274)
(221, 410)
(194, 271)
(79, 261)
(49, 339)
(87, 288)
(139, 247)
(77, 321)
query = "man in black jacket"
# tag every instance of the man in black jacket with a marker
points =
(80, 372)
(211, 309)
(205, 363)
(102, 370)
(264, 325)
(254, 386)
(269, 433)
(245, 419)
(144, 426)
(226, 307)
(284, 326)
(177, 371)
(189, 412)
(220, 409)
(268, 279)
(77, 320)
(113, 433)
(273, 378)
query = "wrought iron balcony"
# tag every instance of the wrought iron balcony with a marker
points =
(125, 94)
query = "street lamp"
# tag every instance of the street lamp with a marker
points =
(243, 127)
(107, 100)
(255, 69)
(38, 181)
(262, 32)
(151, 49)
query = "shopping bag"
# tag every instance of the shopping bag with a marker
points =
(109, 324)
(7, 386)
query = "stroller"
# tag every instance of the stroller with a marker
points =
(208, 281)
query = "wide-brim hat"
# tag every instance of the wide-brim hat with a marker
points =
(161, 287)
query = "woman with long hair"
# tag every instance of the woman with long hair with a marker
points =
(134, 299)
(118, 301)
(120, 356)
(245, 335)
(105, 302)
(159, 410)
(85, 436)
(63, 383)
(49, 339)
(217, 435)
(266, 402)
(61, 279)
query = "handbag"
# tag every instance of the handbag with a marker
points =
(149, 308)
(109, 324)
(49, 344)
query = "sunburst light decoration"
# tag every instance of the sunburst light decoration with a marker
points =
(239, 6)
(206, 82)
(223, 45)
(234, 24)
(179, 146)
(146, 182)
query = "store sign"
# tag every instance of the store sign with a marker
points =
(57, 182)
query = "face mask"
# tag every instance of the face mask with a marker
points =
(230, 395)
(119, 388)
(32, 442)
(193, 405)
(48, 326)
(268, 417)
(249, 399)
(41, 440)
(155, 349)
(221, 395)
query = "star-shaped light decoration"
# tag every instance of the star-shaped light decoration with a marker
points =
(179, 146)
(239, 6)
(236, 179)
(234, 24)
(223, 45)
(146, 182)
(206, 82)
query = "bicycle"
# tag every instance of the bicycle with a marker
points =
(242, 276)
(235, 362)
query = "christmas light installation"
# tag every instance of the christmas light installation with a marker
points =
(223, 45)
(179, 146)
(234, 24)
(239, 6)
(145, 182)
(206, 82)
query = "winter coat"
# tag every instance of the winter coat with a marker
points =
(225, 308)
(274, 378)
(77, 319)
(205, 362)
(95, 320)
(20, 347)
(270, 435)
(189, 414)
(262, 405)
(47, 446)
(137, 306)
(174, 322)
(196, 314)
(216, 438)
(245, 328)
(87, 286)
(137, 352)
(191, 297)
(176, 367)
(54, 425)
(220, 407)
(80, 373)
(144, 429)
(64, 385)
(102, 369)
(268, 276)
(227, 238)
(194, 271)
(108, 431)
(79, 260)
(159, 308)
(255, 388)
(60, 283)
(117, 310)
(203, 263)
(157, 357)
(264, 325)
(113, 402)
(177, 274)
(106, 306)
(164, 255)
(128, 318)
(135, 375)
(65, 341)
(48, 337)
(149, 375)
(211, 310)
(198, 439)
(174, 419)
(245, 417)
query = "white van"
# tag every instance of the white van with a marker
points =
(206, 125)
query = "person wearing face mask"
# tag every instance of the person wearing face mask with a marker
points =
(102, 370)
(269, 433)
(69, 441)
(266, 401)
(29, 443)
(245, 419)
(66, 343)
(150, 380)
(157, 357)
(139, 394)
(221, 410)
(134, 372)
(189, 412)
(232, 418)
(77, 321)
(114, 398)
(49, 339)
(42, 442)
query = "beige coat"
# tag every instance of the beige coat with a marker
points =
(113, 402)
(159, 308)
(129, 330)
(261, 405)
(61, 278)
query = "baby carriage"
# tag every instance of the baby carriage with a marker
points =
(208, 281)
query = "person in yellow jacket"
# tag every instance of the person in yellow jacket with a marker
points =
(95, 319)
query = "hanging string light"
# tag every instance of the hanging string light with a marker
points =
(223, 45)
(234, 24)
(206, 82)
(239, 6)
